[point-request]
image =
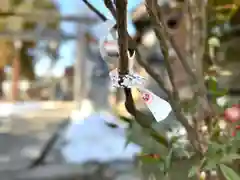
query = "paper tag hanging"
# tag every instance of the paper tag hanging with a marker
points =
(158, 106)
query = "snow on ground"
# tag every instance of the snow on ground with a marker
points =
(92, 139)
(23, 107)
(8, 108)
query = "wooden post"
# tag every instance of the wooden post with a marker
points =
(16, 71)
(2, 78)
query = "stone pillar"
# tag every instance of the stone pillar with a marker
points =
(80, 66)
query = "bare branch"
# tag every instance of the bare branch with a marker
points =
(110, 6)
(160, 33)
(131, 43)
(172, 44)
(91, 7)
(162, 36)
(121, 17)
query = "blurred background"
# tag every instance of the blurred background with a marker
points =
(55, 92)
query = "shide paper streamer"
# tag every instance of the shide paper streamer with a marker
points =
(158, 106)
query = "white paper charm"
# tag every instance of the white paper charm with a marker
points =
(107, 27)
(158, 106)
(103, 43)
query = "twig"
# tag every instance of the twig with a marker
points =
(110, 6)
(92, 8)
(196, 77)
(173, 44)
(160, 33)
(121, 17)
(132, 45)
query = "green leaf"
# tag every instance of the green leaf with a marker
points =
(182, 152)
(128, 138)
(237, 137)
(214, 149)
(193, 171)
(189, 105)
(229, 173)
(210, 165)
(212, 84)
(161, 167)
(127, 142)
(229, 158)
(125, 119)
(218, 93)
(168, 160)
(159, 138)
(174, 139)
(148, 159)
(214, 155)
(111, 125)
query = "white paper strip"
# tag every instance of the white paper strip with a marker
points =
(108, 29)
(158, 106)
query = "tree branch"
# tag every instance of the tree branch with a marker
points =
(173, 44)
(161, 33)
(129, 103)
(123, 37)
(110, 6)
(121, 17)
(132, 45)
(92, 8)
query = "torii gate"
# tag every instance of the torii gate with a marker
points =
(51, 35)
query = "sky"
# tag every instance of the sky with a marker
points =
(67, 49)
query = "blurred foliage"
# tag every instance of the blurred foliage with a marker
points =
(12, 23)
(224, 23)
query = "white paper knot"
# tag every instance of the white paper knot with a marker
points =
(130, 80)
